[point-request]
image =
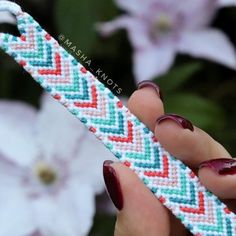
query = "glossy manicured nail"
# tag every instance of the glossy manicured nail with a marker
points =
(220, 166)
(185, 124)
(112, 184)
(148, 83)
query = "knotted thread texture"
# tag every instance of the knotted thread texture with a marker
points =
(173, 183)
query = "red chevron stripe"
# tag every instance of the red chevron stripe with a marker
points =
(56, 71)
(164, 174)
(92, 104)
(128, 139)
(65, 77)
(200, 209)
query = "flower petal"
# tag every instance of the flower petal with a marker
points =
(15, 215)
(227, 3)
(197, 13)
(210, 44)
(68, 213)
(87, 164)
(152, 62)
(58, 132)
(133, 6)
(137, 30)
(16, 132)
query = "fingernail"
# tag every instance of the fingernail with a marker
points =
(148, 83)
(221, 166)
(112, 184)
(185, 124)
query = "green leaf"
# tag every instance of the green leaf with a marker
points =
(202, 112)
(177, 76)
(76, 20)
(103, 225)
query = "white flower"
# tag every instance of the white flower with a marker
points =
(159, 29)
(50, 171)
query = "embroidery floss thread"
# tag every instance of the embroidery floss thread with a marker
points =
(173, 183)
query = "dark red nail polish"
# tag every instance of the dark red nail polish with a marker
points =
(148, 83)
(221, 166)
(185, 124)
(112, 184)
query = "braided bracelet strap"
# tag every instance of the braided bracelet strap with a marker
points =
(174, 184)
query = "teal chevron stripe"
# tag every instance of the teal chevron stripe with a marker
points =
(120, 130)
(142, 156)
(155, 165)
(44, 63)
(21, 22)
(111, 119)
(38, 53)
(6, 38)
(191, 201)
(85, 92)
(74, 86)
(219, 227)
(182, 191)
(229, 227)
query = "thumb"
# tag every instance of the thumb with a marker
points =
(140, 213)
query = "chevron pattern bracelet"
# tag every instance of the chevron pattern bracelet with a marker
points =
(173, 183)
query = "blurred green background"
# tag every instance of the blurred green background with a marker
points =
(202, 91)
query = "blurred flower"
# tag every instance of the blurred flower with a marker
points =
(158, 29)
(50, 171)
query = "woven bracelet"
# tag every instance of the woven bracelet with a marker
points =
(61, 75)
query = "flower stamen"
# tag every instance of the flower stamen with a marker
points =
(163, 24)
(46, 174)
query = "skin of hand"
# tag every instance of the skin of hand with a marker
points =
(139, 211)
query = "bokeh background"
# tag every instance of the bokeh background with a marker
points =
(202, 91)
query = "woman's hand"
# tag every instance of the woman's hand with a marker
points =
(140, 212)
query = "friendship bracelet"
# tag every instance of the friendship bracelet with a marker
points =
(61, 75)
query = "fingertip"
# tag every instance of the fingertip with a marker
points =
(140, 205)
(219, 176)
(185, 141)
(179, 120)
(113, 185)
(221, 186)
(146, 103)
(176, 135)
(150, 84)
